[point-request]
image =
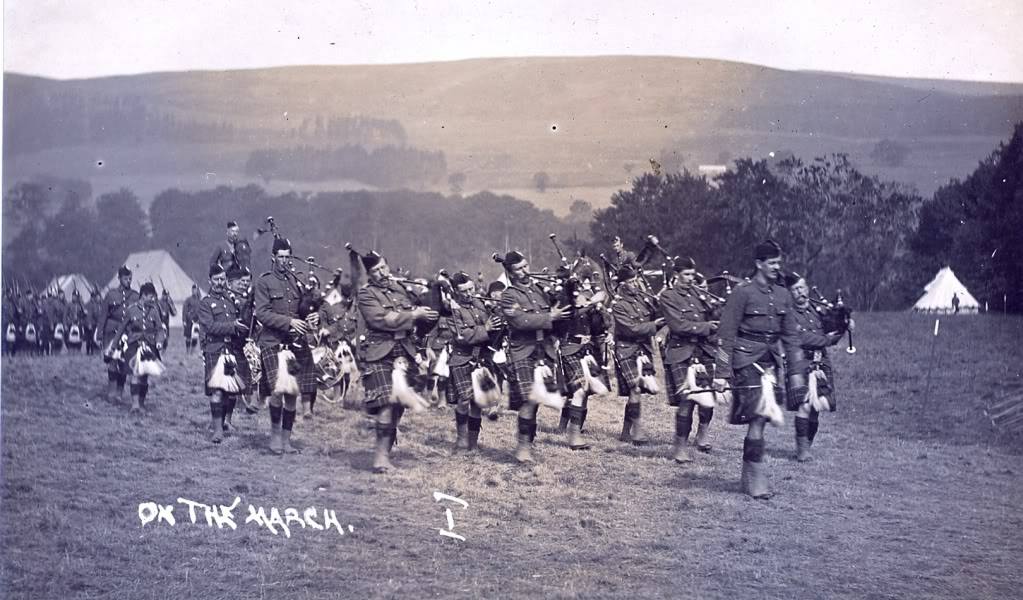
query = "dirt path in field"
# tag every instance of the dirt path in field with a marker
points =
(912, 493)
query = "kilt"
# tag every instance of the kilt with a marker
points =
(460, 383)
(824, 388)
(242, 369)
(306, 375)
(628, 375)
(745, 401)
(675, 378)
(520, 382)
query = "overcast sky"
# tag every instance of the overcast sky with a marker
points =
(974, 40)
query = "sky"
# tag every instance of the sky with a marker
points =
(973, 40)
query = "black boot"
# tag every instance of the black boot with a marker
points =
(461, 431)
(706, 414)
(474, 426)
(566, 418)
(575, 426)
(802, 441)
(754, 472)
(680, 451)
(811, 428)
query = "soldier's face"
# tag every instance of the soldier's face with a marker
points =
(686, 276)
(617, 245)
(125, 281)
(770, 268)
(218, 282)
(232, 234)
(245, 283)
(518, 273)
(380, 273)
(800, 293)
(148, 299)
(282, 260)
(464, 291)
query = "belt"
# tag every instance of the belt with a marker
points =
(763, 338)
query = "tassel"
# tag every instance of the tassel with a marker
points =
(705, 399)
(500, 357)
(818, 402)
(592, 384)
(647, 381)
(58, 332)
(146, 363)
(768, 406)
(286, 382)
(30, 333)
(400, 389)
(12, 333)
(541, 392)
(222, 379)
(441, 368)
(74, 335)
(195, 332)
(485, 392)
(347, 357)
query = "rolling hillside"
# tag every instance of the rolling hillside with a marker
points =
(587, 122)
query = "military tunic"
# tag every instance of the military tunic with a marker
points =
(112, 316)
(141, 325)
(279, 299)
(814, 343)
(634, 316)
(470, 349)
(757, 327)
(688, 316)
(217, 316)
(527, 311)
(387, 311)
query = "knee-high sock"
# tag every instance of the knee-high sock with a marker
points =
(752, 450)
(287, 419)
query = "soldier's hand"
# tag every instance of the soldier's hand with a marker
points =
(560, 312)
(659, 322)
(313, 319)
(493, 323)
(424, 313)
(852, 325)
(719, 384)
(714, 326)
(834, 337)
(240, 326)
(299, 326)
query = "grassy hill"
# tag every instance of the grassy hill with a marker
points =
(587, 122)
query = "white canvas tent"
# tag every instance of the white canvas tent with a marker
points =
(69, 283)
(159, 267)
(939, 292)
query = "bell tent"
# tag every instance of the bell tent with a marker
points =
(941, 293)
(160, 268)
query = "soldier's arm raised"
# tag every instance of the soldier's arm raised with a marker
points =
(518, 318)
(380, 318)
(629, 325)
(468, 332)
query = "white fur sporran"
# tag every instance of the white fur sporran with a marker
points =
(286, 382)
(544, 390)
(401, 391)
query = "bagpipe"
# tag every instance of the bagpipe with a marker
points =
(835, 316)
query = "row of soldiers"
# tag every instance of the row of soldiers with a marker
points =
(50, 323)
(552, 340)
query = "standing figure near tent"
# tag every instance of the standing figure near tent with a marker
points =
(389, 352)
(815, 341)
(234, 253)
(190, 319)
(532, 353)
(689, 357)
(143, 331)
(955, 303)
(74, 323)
(636, 322)
(167, 311)
(286, 358)
(114, 314)
(758, 332)
(225, 332)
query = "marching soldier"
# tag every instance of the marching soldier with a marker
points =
(390, 314)
(815, 342)
(472, 327)
(530, 318)
(339, 320)
(239, 284)
(93, 314)
(233, 253)
(114, 314)
(636, 322)
(758, 332)
(189, 316)
(224, 332)
(74, 319)
(144, 331)
(279, 301)
(691, 324)
(167, 311)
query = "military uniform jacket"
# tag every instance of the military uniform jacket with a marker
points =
(386, 310)
(687, 314)
(758, 320)
(471, 338)
(217, 316)
(527, 310)
(341, 322)
(115, 310)
(278, 300)
(141, 323)
(811, 333)
(74, 314)
(634, 323)
(232, 255)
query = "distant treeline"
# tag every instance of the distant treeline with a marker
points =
(35, 120)
(877, 241)
(422, 232)
(387, 166)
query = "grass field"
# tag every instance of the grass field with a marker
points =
(912, 493)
